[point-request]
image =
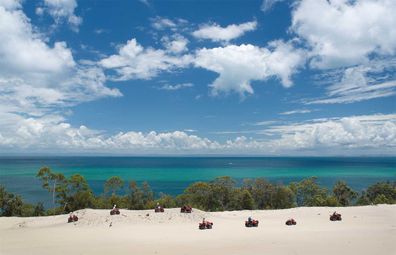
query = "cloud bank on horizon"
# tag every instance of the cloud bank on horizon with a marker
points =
(314, 77)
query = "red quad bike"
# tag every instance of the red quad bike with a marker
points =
(72, 218)
(115, 211)
(159, 209)
(291, 222)
(205, 225)
(251, 223)
(335, 217)
(186, 209)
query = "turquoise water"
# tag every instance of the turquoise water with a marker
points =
(173, 175)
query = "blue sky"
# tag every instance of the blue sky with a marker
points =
(272, 77)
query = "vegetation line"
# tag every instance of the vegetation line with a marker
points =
(222, 193)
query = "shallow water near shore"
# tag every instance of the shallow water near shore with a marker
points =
(172, 175)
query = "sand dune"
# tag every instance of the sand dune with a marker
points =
(363, 230)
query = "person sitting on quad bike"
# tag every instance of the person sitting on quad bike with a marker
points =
(335, 217)
(186, 209)
(114, 210)
(205, 224)
(158, 208)
(251, 222)
(291, 222)
(72, 218)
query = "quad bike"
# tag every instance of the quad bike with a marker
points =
(186, 209)
(159, 209)
(114, 211)
(72, 218)
(251, 223)
(205, 225)
(291, 222)
(335, 217)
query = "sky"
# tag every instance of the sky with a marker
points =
(263, 78)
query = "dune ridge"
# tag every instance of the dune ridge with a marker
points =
(363, 230)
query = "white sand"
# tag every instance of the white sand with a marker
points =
(363, 230)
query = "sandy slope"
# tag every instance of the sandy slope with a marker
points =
(364, 230)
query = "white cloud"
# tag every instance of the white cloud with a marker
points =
(161, 23)
(237, 66)
(376, 132)
(61, 11)
(23, 49)
(175, 44)
(133, 61)
(217, 33)
(347, 32)
(177, 86)
(296, 112)
(265, 123)
(268, 4)
(35, 77)
(353, 135)
(52, 132)
(373, 80)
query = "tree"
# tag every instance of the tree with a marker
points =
(148, 194)
(381, 199)
(343, 193)
(166, 201)
(113, 184)
(283, 197)
(39, 209)
(199, 194)
(242, 200)
(79, 195)
(261, 190)
(381, 192)
(222, 188)
(309, 193)
(11, 204)
(53, 182)
(382, 188)
(135, 197)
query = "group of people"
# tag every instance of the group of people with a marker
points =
(207, 224)
(254, 223)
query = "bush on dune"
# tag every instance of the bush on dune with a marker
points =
(379, 193)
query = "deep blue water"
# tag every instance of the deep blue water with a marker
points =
(172, 175)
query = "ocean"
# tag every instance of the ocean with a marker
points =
(171, 175)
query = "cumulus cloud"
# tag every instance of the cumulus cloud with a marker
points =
(61, 11)
(175, 44)
(217, 33)
(133, 61)
(237, 66)
(347, 32)
(336, 136)
(376, 132)
(36, 76)
(52, 132)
